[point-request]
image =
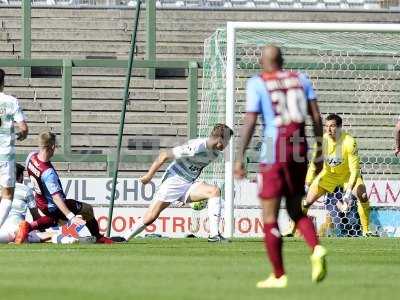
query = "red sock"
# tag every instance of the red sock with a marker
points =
(42, 223)
(273, 244)
(307, 229)
(93, 227)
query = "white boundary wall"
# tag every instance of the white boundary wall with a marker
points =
(132, 199)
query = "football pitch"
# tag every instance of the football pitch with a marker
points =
(194, 269)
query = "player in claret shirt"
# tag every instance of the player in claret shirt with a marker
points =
(283, 99)
(50, 197)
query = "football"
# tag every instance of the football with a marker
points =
(71, 233)
(198, 205)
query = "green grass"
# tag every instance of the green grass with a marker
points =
(194, 269)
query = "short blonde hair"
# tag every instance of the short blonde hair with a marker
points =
(47, 139)
(221, 130)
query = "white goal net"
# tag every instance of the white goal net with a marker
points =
(355, 69)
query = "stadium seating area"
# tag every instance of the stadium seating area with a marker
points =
(296, 4)
(157, 108)
(227, 4)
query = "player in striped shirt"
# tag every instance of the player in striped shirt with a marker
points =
(10, 113)
(179, 183)
(23, 200)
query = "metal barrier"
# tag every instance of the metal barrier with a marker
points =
(68, 64)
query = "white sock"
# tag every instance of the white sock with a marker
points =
(214, 215)
(5, 207)
(134, 231)
(33, 237)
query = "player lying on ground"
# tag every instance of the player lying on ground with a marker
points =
(341, 168)
(282, 98)
(23, 199)
(50, 197)
(10, 113)
(179, 183)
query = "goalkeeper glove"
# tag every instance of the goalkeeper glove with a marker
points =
(348, 197)
(346, 202)
(306, 188)
(342, 206)
(305, 204)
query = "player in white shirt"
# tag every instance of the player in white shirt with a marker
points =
(10, 113)
(179, 183)
(23, 200)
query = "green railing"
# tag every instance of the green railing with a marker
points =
(26, 35)
(68, 64)
(26, 40)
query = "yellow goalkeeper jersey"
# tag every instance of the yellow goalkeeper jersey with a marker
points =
(341, 162)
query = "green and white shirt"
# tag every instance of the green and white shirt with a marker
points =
(23, 199)
(10, 112)
(190, 159)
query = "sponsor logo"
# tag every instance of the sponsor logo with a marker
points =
(71, 230)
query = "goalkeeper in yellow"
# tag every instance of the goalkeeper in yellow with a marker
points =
(341, 168)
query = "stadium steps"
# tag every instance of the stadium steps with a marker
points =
(160, 106)
(112, 49)
(89, 114)
(107, 143)
(187, 26)
(92, 117)
(4, 36)
(365, 132)
(105, 94)
(110, 77)
(82, 128)
(113, 35)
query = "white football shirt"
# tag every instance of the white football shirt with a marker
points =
(191, 158)
(23, 199)
(10, 112)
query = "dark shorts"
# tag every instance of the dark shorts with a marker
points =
(74, 206)
(282, 179)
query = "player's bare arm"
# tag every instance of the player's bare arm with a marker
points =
(351, 184)
(64, 209)
(354, 167)
(247, 130)
(163, 157)
(397, 138)
(23, 130)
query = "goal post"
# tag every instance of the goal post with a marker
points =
(357, 53)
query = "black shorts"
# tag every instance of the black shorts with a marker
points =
(74, 206)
